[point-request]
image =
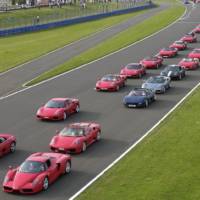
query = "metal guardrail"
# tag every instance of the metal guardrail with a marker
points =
(37, 27)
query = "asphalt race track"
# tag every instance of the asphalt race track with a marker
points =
(121, 127)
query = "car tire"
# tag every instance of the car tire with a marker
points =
(84, 147)
(67, 167)
(64, 116)
(154, 98)
(45, 184)
(12, 147)
(164, 90)
(98, 136)
(77, 109)
(146, 103)
(157, 66)
(117, 88)
(180, 77)
(140, 75)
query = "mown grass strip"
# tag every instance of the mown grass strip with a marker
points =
(117, 42)
(164, 166)
(16, 50)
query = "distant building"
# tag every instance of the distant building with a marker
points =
(5, 3)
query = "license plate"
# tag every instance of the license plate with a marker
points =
(61, 149)
(132, 105)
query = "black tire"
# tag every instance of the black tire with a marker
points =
(12, 147)
(45, 185)
(68, 166)
(146, 103)
(84, 147)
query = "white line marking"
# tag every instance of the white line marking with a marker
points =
(190, 12)
(133, 146)
(67, 45)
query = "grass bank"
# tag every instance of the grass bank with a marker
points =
(163, 166)
(117, 42)
(16, 50)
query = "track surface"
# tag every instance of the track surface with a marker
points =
(13, 79)
(120, 126)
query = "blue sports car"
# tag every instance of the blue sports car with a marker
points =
(139, 97)
(159, 84)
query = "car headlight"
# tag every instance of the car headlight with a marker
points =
(35, 182)
(6, 179)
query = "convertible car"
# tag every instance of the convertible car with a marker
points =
(159, 84)
(76, 137)
(58, 109)
(168, 52)
(194, 54)
(7, 143)
(174, 72)
(139, 97)
(189, 63)
(36, 173)
(180, 45)
(133, 70)
(153, 62)
(111, 82)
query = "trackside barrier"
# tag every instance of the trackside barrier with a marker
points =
(39, 27)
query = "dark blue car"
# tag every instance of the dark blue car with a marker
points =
(139, 97)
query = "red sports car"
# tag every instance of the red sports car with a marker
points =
(194, 54)
(111, 82)
(168, 52)
(152, 62)
(76, 137)
(36, 173)
(58, 109)
(197, 29)
(189, 63)
(180, 45)
(190, 38)
(133, 70)
(7, 143)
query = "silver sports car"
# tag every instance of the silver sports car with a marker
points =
(159, 84)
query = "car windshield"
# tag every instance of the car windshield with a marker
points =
(172, 68)
(187, 60)
(55, 104)
(133, 66)
(31, 167)
(137, 93)
(151, 59)
(179, 42)
(72, 132)
(168, 49)
(109, 78)
(156, 79)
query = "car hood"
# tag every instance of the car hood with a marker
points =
(64, 142)
(133, 99)
(131, 71)
(106, 83)
(21, 179)
(152, 85)
(50, 111)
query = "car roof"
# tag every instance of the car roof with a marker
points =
(80, 124)
(59, 99)
(42, 157)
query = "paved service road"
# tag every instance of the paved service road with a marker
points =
(121, 127)
(13, 80)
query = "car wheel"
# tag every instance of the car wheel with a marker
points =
(64, 116)
(180, 77)
(157, 66)
(45, 183)
(68, 167)
(84, 147)
(146, 103)
(154, 97)
(98, 136)
(164, 90)
(77, 109)
(12, 147)
(117, 88)
(140, 75)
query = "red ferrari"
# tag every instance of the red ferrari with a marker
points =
(197, 29)
(36, 173)
(168, 52)
(190, 38)
(75, 137)
(194, 54)
(189, 63)
(58, 109)
(180, 45)
(7, 143)
(152, 62)
(111, 82)
(133, 70)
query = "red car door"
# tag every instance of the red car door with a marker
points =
(89, 135)
(69, 106)
(53, 170)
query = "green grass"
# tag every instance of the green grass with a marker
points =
(16, 50)
(26, 16)
(164, 166)
(119, 41)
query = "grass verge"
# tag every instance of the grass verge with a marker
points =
(19, 49)
(117, 42)
(164, 166)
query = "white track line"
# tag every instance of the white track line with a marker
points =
(190, 12)
(133, 146)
